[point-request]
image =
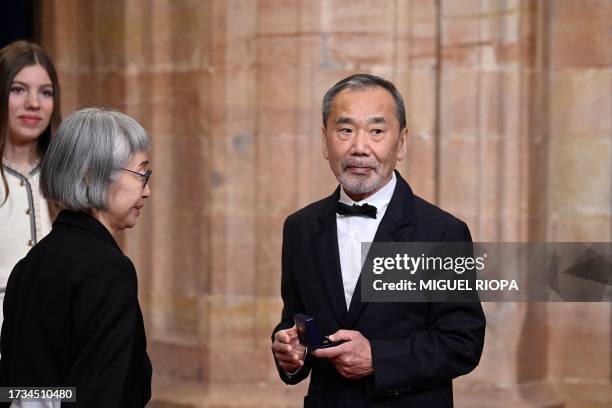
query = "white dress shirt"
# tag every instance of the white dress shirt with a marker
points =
(353, 230)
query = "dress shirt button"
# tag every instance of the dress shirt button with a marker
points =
(21, 183)
(30, 243)
(28, 211)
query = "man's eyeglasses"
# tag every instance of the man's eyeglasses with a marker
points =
(145, 176)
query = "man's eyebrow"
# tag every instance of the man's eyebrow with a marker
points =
(377, 119)
(344, 119)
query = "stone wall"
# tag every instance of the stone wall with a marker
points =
(509, 109)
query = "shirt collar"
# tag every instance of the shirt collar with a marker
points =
(379, 199)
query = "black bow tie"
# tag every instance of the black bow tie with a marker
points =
(365, 210)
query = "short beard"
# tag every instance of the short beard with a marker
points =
(360, 184)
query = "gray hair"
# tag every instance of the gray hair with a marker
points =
(90, 148)
(364, 81)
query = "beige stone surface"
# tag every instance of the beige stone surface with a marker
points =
(581, 34)
(577, 97)
(509, 117)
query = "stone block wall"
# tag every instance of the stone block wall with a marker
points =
(509, 109)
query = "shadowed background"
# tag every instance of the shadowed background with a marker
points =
(509, 108)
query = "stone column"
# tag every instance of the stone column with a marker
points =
(579, 190)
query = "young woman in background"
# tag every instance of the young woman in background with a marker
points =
(29, 116)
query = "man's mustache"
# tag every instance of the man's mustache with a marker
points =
(371, 163)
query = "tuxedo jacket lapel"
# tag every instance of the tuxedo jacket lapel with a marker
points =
(395, 226)
(328, 258)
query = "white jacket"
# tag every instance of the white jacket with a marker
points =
(24, 220)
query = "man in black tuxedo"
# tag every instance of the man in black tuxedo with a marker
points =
(391, 354)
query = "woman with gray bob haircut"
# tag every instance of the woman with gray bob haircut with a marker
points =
(101, 142)
(72, 316)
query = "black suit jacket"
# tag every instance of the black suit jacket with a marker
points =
(417, 348)
(72, 318)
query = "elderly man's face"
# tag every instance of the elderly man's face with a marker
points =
(362, 140)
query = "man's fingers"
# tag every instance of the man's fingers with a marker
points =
(281, 347)
(288, 358)
(283, 352)
(286, 336)
(288, 354)
(330, 352)
(282, 337)
(343, 335)
(290, 366)
(288, 361)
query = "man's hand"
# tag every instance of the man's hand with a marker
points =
(352, 359)
(288, 351)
